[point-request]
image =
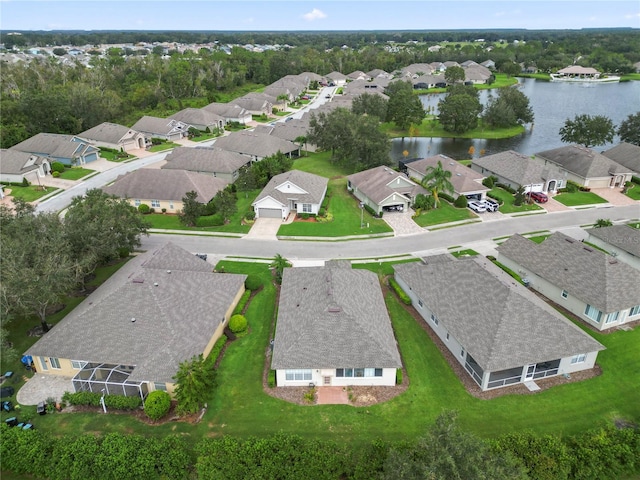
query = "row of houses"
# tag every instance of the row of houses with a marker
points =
(333, 329)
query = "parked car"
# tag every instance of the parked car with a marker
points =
(491, 205)
(476, 206)
(539, 197)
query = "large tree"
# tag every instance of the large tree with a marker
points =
(629, 129)
(454, 74)
(509, 108)
(437, 179)
(370, 104)
(36, 268)
(459, 113)
(195, 380)
(403, 108)
(448, 452)
(225, 203)
(587, 130)
(191, 209)
(100, 227)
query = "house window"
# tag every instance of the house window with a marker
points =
(593, 313)
(54, 362)
(160, 386)
(564, 294)
(612, 317)
(634, 311)
(155, 203)
(136, 202)
(358, 372)
(170, 204)
(434, 319)
(420, 304)
(306, 208)
(580, 358)
(297, 374)
(77, 364)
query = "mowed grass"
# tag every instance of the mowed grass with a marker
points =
(239, 407)
(320, 164)
(579, 198)
(346, 213)
(507, 202)
(634, 192)
(445, 213)
(30, 193)
(75, 173)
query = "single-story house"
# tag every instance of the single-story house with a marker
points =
(500, 332)
(464, 180)
(594, 286)
(587, 167)
(200, 119)
(230, 112)
(163, 128)
(337, 78)
(16, 166)
(515, 169)
(66, 149)
(308, 77)
(627, 155)
(255, 104)
(358, 75)
(416, 70)
(129, 336)
(476, 74)
(333, 329)
(112, 135)
(382, 188)
(424, 82)
(292, 131)
(208, 160)
(256, 145)
(379, 73)
(160, 188)
(621, 241)
(296, 191)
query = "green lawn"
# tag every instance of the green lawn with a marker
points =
(634, 192)
(465, 253)
(75, 173)
(239, 406)
(430, 127)
(115, 157)
(320, 164)
(507, 202)
(346, 217)
(30, 193)
(445, 213)
(163, 146)
(172, 222)
(579, 198)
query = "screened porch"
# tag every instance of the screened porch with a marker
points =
(112, 379)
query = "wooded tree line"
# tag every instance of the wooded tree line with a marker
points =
(444, 452)
(47, 96)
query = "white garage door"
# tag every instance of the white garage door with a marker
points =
(269, 213)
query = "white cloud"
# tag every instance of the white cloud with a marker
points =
(314, 14)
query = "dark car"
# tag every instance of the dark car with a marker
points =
(539, 197)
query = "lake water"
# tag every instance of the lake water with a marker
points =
(552, 104)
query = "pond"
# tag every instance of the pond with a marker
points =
(552, 105)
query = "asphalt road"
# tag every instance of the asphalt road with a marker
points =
(418, 244)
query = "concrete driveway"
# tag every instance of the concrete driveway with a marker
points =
(264, 229)
(402, 223)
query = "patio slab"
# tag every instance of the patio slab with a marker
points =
(40, 387)
(332, 396)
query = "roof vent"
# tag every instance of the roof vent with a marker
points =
(613, 261)
(155, 284)
(138, 280)
(168, 271)
(570, 240)
(588, 249)
(133, 319)
(334, 309)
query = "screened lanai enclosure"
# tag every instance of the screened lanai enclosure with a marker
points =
(113, 379)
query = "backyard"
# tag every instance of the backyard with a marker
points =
(239, 406)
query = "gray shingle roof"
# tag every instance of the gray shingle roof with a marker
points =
(285, 130)
(226, 110)
(173, 320)
(625, 154)
(518, 168)
(197, 116)
(333, 318)
(622, 236)
(314, 185)
(15, 162)
(463, 179)
(253, 143)
(374, 183)
(497, 320)
(55, 145)
(583, 161)
(159, 126)
(106, 132)
(158, 184)
(204, 159)
(586, 273)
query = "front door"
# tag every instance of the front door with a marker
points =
(531, 369)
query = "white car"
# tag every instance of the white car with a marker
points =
(490, 205)
(476, 206)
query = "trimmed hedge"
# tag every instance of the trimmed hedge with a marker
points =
(215, 220)
(399, 376)
(253, 283)
(461, 202)
(238, 324)
(445, 196)
(506, 187)
(495, 197)
(242, 302)
(118, 402)
(399, 291)
(157, 404)
(216, 350)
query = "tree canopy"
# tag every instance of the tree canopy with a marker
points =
(403, 107)
(458, 112)
(437, 179)
(587, 130)
(629, 129)
(510, 107)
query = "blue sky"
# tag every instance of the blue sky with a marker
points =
(316, 15)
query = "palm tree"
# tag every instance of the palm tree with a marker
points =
(603, 222)
(437, 180)
(279, 263)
